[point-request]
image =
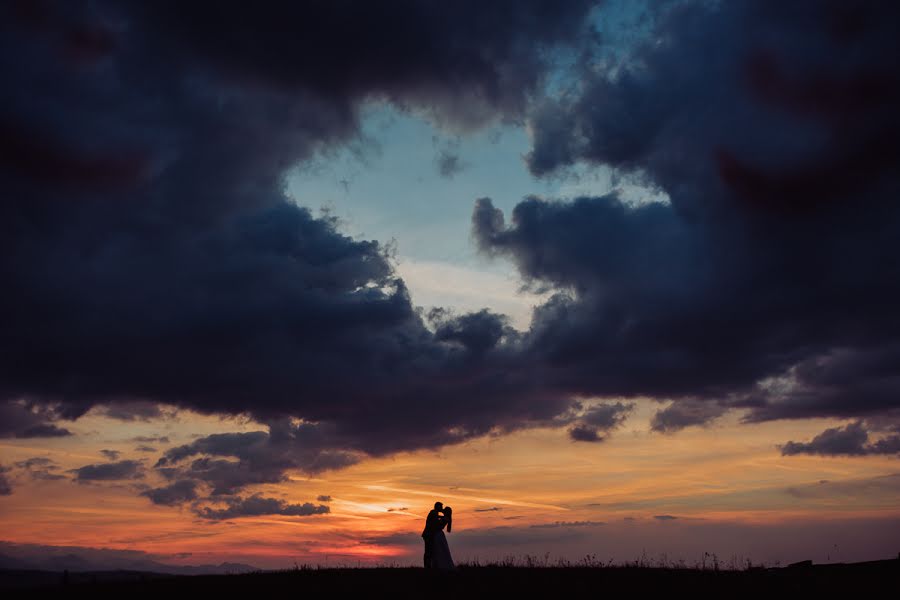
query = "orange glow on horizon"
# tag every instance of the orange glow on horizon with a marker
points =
(728, 474)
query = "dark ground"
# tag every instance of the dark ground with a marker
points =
(875, 578)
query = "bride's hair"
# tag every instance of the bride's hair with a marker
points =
(448, 514)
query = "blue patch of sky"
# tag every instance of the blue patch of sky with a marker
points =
(407, 182)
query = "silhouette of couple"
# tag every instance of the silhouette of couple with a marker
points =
(437, 552)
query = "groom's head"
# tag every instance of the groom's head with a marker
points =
(438, 506)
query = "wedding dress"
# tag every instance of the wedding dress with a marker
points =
(441, 551)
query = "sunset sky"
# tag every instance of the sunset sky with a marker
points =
(611, 279)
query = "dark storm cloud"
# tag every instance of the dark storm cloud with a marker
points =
(256, 505)
(850, 440)
(25, 420)
(114, 471)
(177, 493)
(477, 332)
(158, 261)
(466, 61)
(769, 281)
(135, 411)
(44, 430)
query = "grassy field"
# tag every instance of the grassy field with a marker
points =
(468, 582)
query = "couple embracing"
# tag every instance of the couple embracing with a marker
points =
(437, 552)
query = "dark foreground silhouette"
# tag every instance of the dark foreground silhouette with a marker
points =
(495, 582)
(437, 551)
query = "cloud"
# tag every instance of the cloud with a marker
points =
(871, 487)
(558, 524)
(44, 430)
(114, 471)
(159, 261)
(323, 498)
(446, 158)
(255, 457)
(685, 413)
(257, 505)
(27, 420)
(111, 454)
(145, 449)
(36, 462)
(401, 509)
(491, 509)
(160, 439)
(580, 433)
(664, 517)
(174, 494)
(449, 163)
(5, 486)
(414, 54)
(40, 468)
(406, 538)
(135, 411)
(599, 418)
(472, 541)
(771, 139)
(477, 332)
(850, 440)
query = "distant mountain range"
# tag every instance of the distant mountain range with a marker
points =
(77, 559)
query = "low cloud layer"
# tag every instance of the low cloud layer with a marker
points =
(41, 468)
(685, 413)
(599, 419)
(850, 440)
(227, 462)
(113, 471)
(257, 505)
(886, 486)
(174, 494)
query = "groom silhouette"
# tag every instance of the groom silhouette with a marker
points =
(432, 523)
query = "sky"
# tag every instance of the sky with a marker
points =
(614, 280)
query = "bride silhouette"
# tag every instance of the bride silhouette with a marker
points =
(440, 551)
